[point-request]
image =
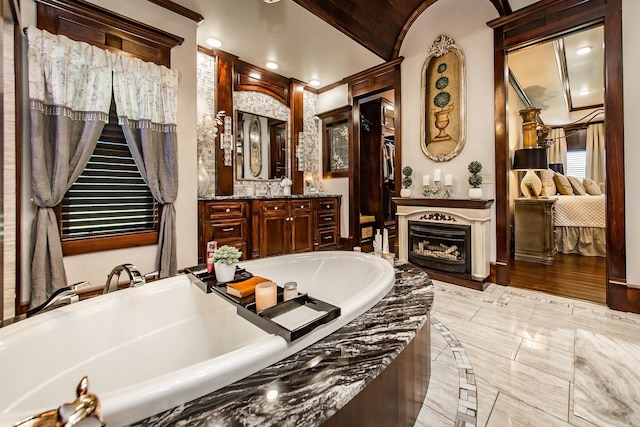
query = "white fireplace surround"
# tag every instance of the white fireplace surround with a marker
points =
(478, 219)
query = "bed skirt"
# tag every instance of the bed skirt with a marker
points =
(587, 241)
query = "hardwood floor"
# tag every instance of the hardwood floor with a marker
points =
(571, 276)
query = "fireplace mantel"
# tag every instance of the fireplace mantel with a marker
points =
(476, 213)
(444, 203)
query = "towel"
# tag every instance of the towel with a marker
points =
(246, 287)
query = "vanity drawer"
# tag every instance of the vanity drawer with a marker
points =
(218, 210)
(327, 237)
(326, 219)
(222, 231)
(327, 205)
(300, 206)
(273, 206)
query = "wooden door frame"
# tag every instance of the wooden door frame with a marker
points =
(545, 20)
(369, 82)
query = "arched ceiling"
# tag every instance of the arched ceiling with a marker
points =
(378, 25)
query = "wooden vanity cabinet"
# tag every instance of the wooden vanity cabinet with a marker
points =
(226, 222)
(282, 226)
(327, 223)
(269, 227)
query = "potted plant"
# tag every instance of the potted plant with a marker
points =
(225, 259)
(475, 192)
(406, 181)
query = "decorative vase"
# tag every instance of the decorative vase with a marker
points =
(203, 179)
(405, 192)
(225, 272)
(475, 193)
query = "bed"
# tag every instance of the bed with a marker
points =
(580, 224)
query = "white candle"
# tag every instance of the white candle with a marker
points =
(448, 179)
(266, 295)
(426, 180)
(436, 175)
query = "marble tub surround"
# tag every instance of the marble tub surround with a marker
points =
(309, 387)
(537, 360)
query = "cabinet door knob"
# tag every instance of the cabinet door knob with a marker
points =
(227, 210)
(275, 209)
(328, 206)
(301, 206)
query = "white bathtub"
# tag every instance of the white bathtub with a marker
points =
(150, 348)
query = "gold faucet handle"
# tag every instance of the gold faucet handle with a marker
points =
(83, 412)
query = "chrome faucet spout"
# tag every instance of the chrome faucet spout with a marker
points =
(61, 297)
(135, 278)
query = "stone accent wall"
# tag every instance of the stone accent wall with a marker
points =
(9, 214)
(312, 143)
(207, 105)
(264, 105)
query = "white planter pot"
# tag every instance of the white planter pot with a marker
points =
(475, 193)
(225, 272)
(405, 192)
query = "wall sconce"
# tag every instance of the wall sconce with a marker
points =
(225, 141)
(300, 152)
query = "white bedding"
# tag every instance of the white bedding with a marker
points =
(580, 211)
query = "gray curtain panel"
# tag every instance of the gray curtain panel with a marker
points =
(155, 151)
(69, 95)
(60, 149)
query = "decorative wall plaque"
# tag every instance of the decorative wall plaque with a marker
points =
(443, 115)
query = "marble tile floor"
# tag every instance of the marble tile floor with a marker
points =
(513, 357)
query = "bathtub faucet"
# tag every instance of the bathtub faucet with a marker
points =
(135, 278)
(61, 297)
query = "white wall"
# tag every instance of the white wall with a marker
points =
(336, 98)
(631, 69)
(465, 22)
(96, 266)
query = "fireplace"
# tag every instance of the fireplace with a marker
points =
(443, 247)
(449, 214)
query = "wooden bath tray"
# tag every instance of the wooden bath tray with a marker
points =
(291, 319)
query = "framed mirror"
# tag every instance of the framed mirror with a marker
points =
(261, 147)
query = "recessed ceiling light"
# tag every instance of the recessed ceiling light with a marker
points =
(314, 83)
(213, 42)
(272, 65)
(583, 50)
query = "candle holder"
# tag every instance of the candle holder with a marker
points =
(437, 191)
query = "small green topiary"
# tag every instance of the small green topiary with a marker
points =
(475, 179)
(406, 180)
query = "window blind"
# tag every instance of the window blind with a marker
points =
(576, 163)
(110, 197)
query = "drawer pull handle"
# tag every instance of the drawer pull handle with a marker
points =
(328, 218)
(328, 237)
(227, 210)
(227, 229)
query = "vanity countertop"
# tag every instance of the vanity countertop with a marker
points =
(313, 384)
(263, 197)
